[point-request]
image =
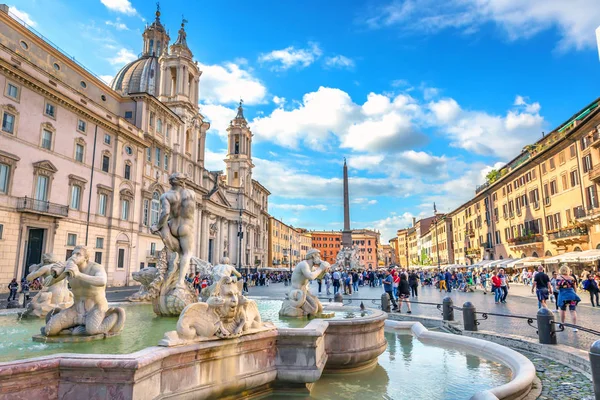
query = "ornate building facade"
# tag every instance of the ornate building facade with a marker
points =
(86, 163)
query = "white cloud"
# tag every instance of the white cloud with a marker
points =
(365, 161)
(106, 78)
(290, 57)
(123, 57)
(219, 117)
(22, 15)
(380, 123)
(121, 6)
(280, 101)
(575, 20)
(213, 161)
(363, 201)
(118, 25)
(227, 83)
(339, 61)
(389, 225)
(299, 207)
(488, 134)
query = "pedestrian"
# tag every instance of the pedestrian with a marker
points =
(355, 281)
(567, 296)
(336, 282)
(542, 286)
(25, 290)
(319, 283)
(396, 283)
(413, 282)
(448, 277)
(496, 287)
(554, 290)
(442, 280)
(196, 283)
(327, 283)
(483, 278)
(504, 285)
(591, 286)
(13, 286)
(404, 293)
(388, 285)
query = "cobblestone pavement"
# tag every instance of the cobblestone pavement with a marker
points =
(519, 302)
(560, 381)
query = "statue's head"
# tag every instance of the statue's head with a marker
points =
(229, 295)
(177, 179)
(224, 260)
(80, 255)
(49, 258)
(313, 255)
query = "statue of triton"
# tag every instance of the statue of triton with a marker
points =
(299, 301)
(89, 315)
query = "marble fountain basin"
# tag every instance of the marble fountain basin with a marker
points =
(259, 365)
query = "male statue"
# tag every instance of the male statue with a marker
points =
(175, 225)
(300, 302)
(224, 269)
(89, 314)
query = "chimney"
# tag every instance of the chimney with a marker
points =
(414, 221)
(4, 8)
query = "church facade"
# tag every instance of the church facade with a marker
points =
(86, 163)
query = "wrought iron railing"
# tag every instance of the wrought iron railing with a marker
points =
(41, 207)
(570, 232)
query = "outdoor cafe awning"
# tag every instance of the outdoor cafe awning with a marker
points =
(575, 257)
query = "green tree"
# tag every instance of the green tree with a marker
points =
(492, 176)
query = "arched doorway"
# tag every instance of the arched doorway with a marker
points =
(523, 255)
(577, 249)
(534, 254)
(501, 257)
(548, 253)
(598, 247)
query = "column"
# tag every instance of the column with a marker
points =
(203, 237)
(198, 235)
(219, 240)
(178, 80)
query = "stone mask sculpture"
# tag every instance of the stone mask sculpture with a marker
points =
(226, 314)
(51, 296)
(89, 315)
(299, 301)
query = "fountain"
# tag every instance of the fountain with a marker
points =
(230, 346)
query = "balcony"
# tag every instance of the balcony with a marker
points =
(487, 245)
(472, 252)
(26, 204)
(469, 232)
(569, 235)
(589, 217)
(152, 254)
(526, 241)
(594, 173)
(596, 139)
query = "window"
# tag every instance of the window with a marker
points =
(81, 125)
(50, 110)
(1, 230)
(157, 157)
(99, 243)
(551, 162)
(151, 118)
(553, 187)
(4, 174)
(125, 210)
(121, 259)
(565, 181)
(166, 162)
(557, 221)
(128, 150)
(75, 197)
(105, 163)
(127, 174)
(102, 199)
(8, 123)
(587, 163)
(128, 114)
(79, 152)
(146, 210)
(83, 84)
(12, 91)
(159, 125)
(107, 138)
(534, 197)
(152, 248)
(592, 197)
(155, 208)
(168, 133)
(574, 178)
(561, 158)
(549, 223)
(148, 154)
(46, 139)
(568, 215)
(543, 168)
(584, 142)
(71, 239)
(98, 257)
(572, 151)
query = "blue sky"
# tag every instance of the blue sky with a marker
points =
(422, 97)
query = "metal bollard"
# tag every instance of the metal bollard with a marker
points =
(546, 328)
(447, 310)
(469, 317)
(338, 298)
(385, 302)
(595, 361)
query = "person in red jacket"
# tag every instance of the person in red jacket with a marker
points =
(496, 286)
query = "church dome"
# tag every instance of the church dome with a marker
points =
(141, 75)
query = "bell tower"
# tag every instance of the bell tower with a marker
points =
(156, 38)
(239, 152)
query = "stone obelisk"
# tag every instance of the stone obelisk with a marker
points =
(346, 233)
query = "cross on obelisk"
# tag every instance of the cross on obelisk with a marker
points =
(346, 233)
